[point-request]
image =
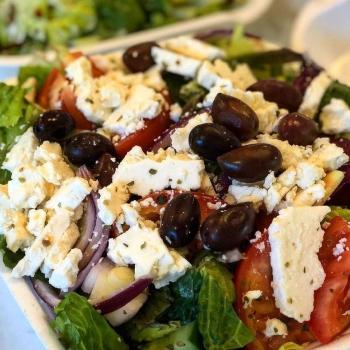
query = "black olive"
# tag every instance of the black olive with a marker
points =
(210, 140)
(104, 169)
(251, 163)
(283, 94)
(236, 116)
(227, 228)
(298, 129)
(53, 125)
(87, 147)
(138, 58)
(180, 221)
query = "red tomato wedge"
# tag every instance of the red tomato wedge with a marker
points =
(146, 136)
(255, 273)
(68, 100)
(332, 299)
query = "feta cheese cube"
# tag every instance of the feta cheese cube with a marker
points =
(22, 152)
(65, 275)
(310, 195)
(144, 173)
(175, 112)
(47, 152)
(70, 195)
(246, 193)
(188, 46)
(335, 117)
(308, 174)
(55, 172)
(250, 296)
(175, 63)
(36, 221)
(296, 276)
(17, 236)
(110, 202)
(274, 326)
(180, 136)
(314, 94)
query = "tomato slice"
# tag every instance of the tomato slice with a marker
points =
(332, 300)
(146, 136)
(68, 100)
(255, 273)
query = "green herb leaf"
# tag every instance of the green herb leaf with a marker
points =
(81, 327)
(291, 346)
(9, 258)
(191, 93)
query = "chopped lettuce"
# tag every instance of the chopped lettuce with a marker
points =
(291, 346)
(81, 327)
(16, 115)
(191, 93)
(184, 338)
(39, 72)
(9, 258)
(339, 211)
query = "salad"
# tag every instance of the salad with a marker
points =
(31, 25)
(186, 194)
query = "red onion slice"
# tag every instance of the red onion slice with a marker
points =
(85, 173)
(46, 293)
(102, 245)
(123, 297)
(87, 224)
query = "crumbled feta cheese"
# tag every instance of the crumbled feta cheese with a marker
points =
(270, 179)
(180, 136)
(310, 195)
(242, 77)
(328, 155)
(188, 46)
(17, 236)
(175, 63)
(144, 173)
(250, 296)
(36, 221)
(175, 112)
(274, 327)
(65, 275)
(222, 86)
(55, 172)
(70, 194)
(296, 276)
(314, 93)
(142, 103)
(335, 117)
(231, 256)
(111, 199)
(36, 253)
(47, 152)
(308, 174)
(339, 248)
(22, 152)
(246, 193)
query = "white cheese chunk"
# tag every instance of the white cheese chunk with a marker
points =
(110, 201)
(144, 173)
(175, 112)
(22, 152)
(47, 152)
(335, 117)
(175, 63)
(70, 195)
(36, 253)
(310, 195)
(250, 296)
(189, 46)
(274, 326)
(55, 172)
(65, 275)
(307, 174)
(36, 221)
(314, 93)
(246, 193)
(298, 274)
(180, 136)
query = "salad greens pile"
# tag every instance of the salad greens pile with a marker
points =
(194, 310)
(37, 24)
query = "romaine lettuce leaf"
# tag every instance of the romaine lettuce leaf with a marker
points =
(9, 258)
(39, 72)
(81, 327)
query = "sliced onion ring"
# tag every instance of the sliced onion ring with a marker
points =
(123, 297)
(46, 293)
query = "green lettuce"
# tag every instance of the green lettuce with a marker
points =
(291, 346)
(39, 72)
(9, 258)
(81, 327)
(16, 115)
(338, 211)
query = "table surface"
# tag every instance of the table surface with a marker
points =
(17, 333)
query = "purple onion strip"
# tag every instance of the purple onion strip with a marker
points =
(46, 293)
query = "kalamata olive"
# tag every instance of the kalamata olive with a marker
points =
(180, 221)
(227, 228)
(104, 169)
(138, 58)
(297, 129)
(210, 140)
(251, 163)
(53, 125)
(87, 147)
(283, 94)
(236, 116)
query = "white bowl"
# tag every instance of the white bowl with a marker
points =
(247, 13)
